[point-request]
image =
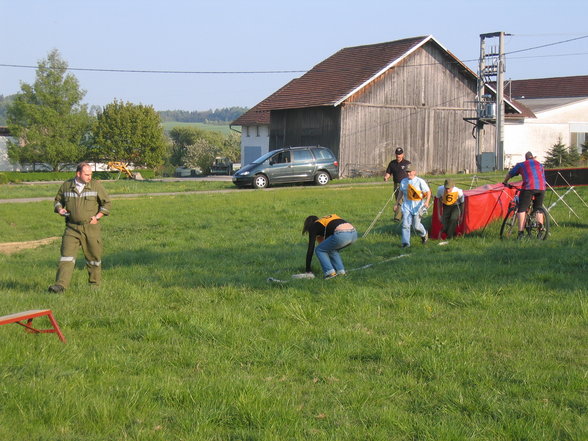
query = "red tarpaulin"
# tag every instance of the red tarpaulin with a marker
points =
(482, 205)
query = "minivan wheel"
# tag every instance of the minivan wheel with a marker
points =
(322, 178)
(260, 181)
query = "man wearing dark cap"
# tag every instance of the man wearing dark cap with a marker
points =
(533, 176)
(451, 202)
(397, 169)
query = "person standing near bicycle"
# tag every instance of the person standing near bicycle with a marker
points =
(397, 170)
(533, 188)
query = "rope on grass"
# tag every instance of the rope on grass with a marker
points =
(377, 217)
(369, 265)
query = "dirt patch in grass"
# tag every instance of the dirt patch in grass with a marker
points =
(14, 247)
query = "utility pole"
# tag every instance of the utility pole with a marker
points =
(500, 105)
(493, 70)
(480, 110)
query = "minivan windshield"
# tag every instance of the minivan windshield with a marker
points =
(265, 157)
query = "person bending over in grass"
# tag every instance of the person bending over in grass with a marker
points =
(452, 200)
(333, 234)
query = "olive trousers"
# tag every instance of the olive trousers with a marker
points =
(88, 237)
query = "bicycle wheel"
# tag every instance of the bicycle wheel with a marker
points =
(534, 229)
(509, 228)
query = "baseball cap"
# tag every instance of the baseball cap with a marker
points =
(529, 155)
(409, 167)
(399, 151)
(449, 183)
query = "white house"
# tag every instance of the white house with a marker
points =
(255, 130)
(5, 164)
(559, 109)
(255, 127)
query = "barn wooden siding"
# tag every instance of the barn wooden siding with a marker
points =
(418, 105)
(309, 126)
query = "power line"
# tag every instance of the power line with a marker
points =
(257, 72)
(190, 72)
(547, 45)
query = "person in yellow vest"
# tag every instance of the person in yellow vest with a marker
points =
(416, 197)
(82, 202)
(451, 199)
(333, 234)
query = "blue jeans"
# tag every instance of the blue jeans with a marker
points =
(409, 219)
(328, 251)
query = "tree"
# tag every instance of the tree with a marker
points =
(574, 157)
(48, 119)
(231, 147)
(561, 156)
(182, 137)
(131, 133)
(5, 101)
(200, 155)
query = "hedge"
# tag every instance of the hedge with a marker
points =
(15, 177)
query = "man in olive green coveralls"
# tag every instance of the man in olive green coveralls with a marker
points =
(82, 202)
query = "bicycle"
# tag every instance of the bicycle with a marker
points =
(533, 228)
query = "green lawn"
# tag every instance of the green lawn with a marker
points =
(222, 128)
(187, 340)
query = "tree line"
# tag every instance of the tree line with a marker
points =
(224, 115)
(51, 126)
(220, 116)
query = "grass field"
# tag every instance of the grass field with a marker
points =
(222, 128)
(125, 186)
(186, 339)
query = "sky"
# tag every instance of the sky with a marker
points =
(225, 53)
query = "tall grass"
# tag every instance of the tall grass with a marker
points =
(186, 339)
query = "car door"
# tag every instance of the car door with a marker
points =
(303, 165)
(278, 169)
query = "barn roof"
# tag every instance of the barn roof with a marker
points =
(335, 79)
(258, 114)
(513, 108)
(558, 87)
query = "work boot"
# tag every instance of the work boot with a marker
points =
(56, 289)
(521, 235)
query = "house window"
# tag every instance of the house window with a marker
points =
(247, 131)
(256, 130)
(578, 139)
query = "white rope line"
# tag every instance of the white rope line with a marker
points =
(369, 265)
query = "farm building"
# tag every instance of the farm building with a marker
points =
(5, 164)
(559, 109)
(363, 102)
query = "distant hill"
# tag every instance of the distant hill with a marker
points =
(224, 115)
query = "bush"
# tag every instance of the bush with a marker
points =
(16, 177)
(561, 156)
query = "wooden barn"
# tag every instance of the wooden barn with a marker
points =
(363, 102)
